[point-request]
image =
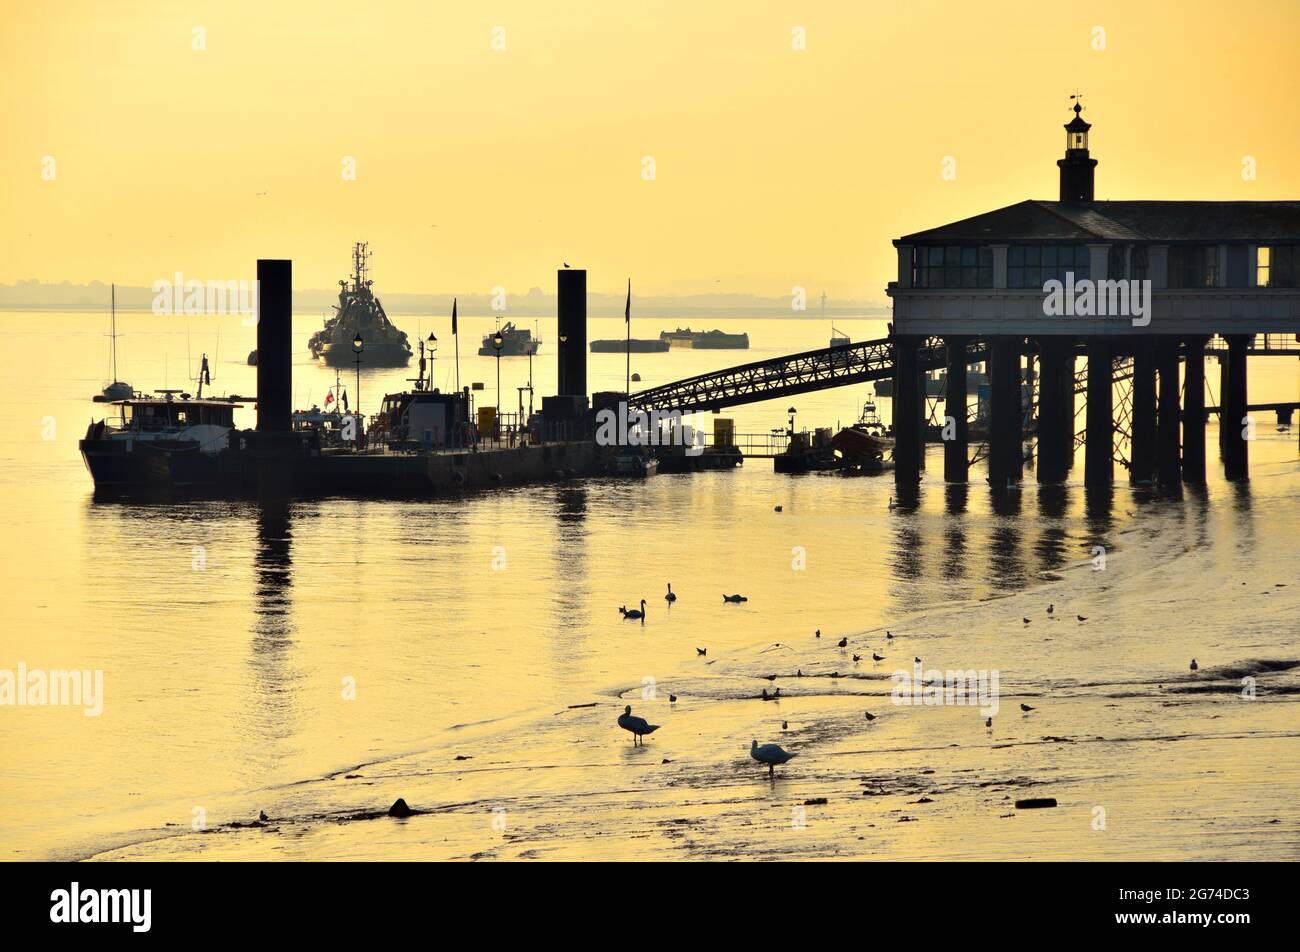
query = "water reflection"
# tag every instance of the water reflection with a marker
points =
(272, 701)
(1006, 564)
(1051, 545)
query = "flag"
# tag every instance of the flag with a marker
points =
(329, 398)
(345, 401)
(453, 316)
(627, 309)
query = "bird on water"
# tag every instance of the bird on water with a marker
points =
(843, 642)
(638, 727)
(1194, 665)
(702, 651)
(876, 657)
(634, 614)
(734, 598)
(670, 597)
(1026, 708)
(770, 754)
(870, 716)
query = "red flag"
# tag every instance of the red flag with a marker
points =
(329, 398)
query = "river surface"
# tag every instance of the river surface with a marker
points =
(318, 661)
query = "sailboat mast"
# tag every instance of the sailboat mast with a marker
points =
(113, 334)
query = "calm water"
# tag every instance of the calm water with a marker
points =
(227, 633)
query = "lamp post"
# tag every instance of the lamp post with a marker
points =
(497, 343)
(792, 411)
(358, 345)
(433, 352)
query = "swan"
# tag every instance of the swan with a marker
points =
(734, 598)
(670, 597)
(637, 726)
(634, 613)
(770, 754)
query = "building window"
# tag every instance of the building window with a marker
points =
(1237, 265)
(1193, 266)
(1137, 263)
(1278, 266)
(952, 266)
(1031, 266)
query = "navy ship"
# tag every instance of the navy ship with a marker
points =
(360, 312)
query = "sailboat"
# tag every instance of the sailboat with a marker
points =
(117, 390)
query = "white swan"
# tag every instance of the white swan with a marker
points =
(770, 754)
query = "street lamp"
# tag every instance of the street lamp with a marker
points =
(498, 342)
(358, 345)
(792, 411)
(433, 347)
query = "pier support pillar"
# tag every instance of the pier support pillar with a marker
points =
(1099, 448)
(956, 450)
(1232, 416)
(1055, 408)
(1168, 414)
(1143, 453)
(1006, 411)
(1194, 411)
(909, 402)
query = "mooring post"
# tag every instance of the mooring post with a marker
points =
(1235, 428)
(955, 450)
(1099, 449)
(908, 403)
(1006, 430)
(1194, 411)
(1143, 464)
(1055, 408)
(1168, 413)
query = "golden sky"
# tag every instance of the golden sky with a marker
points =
(478, 167)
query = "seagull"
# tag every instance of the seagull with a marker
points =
(670, 597)
(634, 613)
(636, 725)
(988, 722)
(817, 633)
(778, 508)
(1194, 664)
(1050, 609)
(672, 699)
(917, 660)
(857, 658)
(785, 725)
(566, 264)
(764, 696)
(1025, 620)
(734, 598)
(1026, 708)
(262, 816)
(701, 651)
(770, 754)
(870, 716)
(892, 507)
(769, 677)
(1081, 617)
(843, 642)
(889, 636)
(876, 657)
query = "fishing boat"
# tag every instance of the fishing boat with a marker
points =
(118, 389)
(170, 440)
(515, 342)
(360, 313)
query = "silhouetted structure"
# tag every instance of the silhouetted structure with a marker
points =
(572, 349)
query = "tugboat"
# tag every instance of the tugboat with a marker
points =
(168, 441)
(360, 312)
(515, 342)
(864, 444)
(117, 390)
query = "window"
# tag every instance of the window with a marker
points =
(1237, 267)
(1193, 266)
(1278, 266)
(1031, 266)
(952, 266)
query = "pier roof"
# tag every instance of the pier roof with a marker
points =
(1124, 221)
